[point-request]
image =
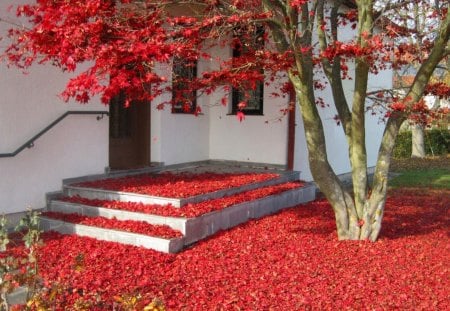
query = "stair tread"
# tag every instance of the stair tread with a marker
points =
(190, 210)
(131, 226)
(177, 185)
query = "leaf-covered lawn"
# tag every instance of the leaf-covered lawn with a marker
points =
(287, 261)
(409, 164)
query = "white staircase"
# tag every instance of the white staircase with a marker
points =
(190, 229)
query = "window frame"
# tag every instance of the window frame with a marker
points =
(238, 95)
(183, 66)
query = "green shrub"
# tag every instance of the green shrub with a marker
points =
(437, 142)
(403, 145)
(19, 268)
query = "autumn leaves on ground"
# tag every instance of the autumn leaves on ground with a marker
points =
(288, 261)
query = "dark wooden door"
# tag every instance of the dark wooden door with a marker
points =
(129, 134)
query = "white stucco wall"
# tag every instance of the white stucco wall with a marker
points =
(374, 125)
(337, 146)
(261, 139)
(177, 137)
(76, 146)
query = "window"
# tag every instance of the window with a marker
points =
(247, 41)
(119, 117)
(183, 75)
(253, 98)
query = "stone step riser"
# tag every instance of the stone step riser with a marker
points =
(176, 223)
(203, 226)
(206, 225)
(159, 244)
(101, 194)
(17, 297)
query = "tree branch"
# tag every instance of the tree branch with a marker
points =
(438, 52)
(333, 70)
(358, 155)
(276, 27)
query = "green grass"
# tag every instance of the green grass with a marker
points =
(438, 178)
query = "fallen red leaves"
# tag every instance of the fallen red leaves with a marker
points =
(180, 185)
(189, 210)
(133, 226)
(287, 261)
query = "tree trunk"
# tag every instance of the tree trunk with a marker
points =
(359, 214)
(374, 205)
(327, 181)
(418, 144)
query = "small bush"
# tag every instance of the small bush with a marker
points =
(403, 145)
(437, 142)
(19, 268)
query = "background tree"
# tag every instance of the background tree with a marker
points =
(124, 41)
(417, 20)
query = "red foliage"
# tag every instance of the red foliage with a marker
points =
(122, 41)
(439, 89)
(125, 42)
(133, 226)
(190, 210)
(419, 112)
(180, 185)
(398, 106)
(288, 261)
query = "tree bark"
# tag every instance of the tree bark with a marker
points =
(418, 144)
(375, 203)
(327, 181)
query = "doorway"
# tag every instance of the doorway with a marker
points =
(129, 134)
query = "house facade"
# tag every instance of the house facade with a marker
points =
(90, 142)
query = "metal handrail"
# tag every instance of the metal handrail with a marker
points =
(30, 142)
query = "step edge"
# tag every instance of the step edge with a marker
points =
(147, 238)
(159, 219)
(139, 197)
(180, 202)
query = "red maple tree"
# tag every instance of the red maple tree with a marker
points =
(125, 41)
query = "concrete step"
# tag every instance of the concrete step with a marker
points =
(173, 245)
(100, 194)
(208, 224)
(176, 223)
(193, 229)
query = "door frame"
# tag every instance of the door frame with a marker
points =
(129, 134)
